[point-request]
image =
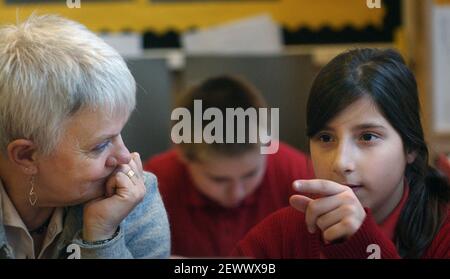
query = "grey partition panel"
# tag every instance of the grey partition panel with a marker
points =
(284, 80)
(147, 131)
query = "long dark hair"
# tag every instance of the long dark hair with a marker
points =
(383, 76)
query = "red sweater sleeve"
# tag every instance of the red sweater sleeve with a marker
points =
(356, 246)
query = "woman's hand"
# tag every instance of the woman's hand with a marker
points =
(124, 190)
(337, 213)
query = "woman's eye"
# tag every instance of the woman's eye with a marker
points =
(101, 147)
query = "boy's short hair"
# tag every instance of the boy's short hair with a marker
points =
(221, 92)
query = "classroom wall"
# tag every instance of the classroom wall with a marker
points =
(143, 15)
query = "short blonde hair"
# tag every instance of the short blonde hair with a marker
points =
(51, 68)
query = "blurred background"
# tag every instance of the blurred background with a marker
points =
(278, 45)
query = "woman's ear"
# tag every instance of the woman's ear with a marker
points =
(22, 154)
(411, 157)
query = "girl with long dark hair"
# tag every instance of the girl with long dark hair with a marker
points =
(375, 195)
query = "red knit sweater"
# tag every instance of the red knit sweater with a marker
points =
(202, 228)
(284, 235)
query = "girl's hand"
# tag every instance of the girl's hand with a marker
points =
(337, 213)
(124, 190)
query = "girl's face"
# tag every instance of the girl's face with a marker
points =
(359, 148)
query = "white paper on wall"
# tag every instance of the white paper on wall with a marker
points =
(259, 35)
(128, 45)
(441, 68)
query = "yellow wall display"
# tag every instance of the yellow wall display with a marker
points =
(441, 2)
(147, 15)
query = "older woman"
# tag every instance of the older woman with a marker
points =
(68, 185)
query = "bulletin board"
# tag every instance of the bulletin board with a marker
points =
(303, 21)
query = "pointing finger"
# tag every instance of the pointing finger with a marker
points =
(319, 186)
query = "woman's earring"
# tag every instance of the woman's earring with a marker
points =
(32, 197)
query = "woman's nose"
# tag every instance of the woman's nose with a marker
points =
(120, 155)
(123, 154)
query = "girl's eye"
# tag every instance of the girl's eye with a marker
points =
(101, 147)
(368, 137)
(325, 138)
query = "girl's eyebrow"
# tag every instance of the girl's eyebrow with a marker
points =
(327, 128)
(362, 126)
(365, 126)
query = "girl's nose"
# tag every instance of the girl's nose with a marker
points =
(344, 162)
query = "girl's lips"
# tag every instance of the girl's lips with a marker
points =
(353, 186)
